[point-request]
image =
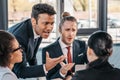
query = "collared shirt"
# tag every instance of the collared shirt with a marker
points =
(35, 37)
(64, 49)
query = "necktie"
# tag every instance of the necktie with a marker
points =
(69, 59)
(37, 43)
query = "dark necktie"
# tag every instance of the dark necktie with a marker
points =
(37, 43)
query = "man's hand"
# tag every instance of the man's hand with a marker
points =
(51, 63)
(68, 77)
(65, 67)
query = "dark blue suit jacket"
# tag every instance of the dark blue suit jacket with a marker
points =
(98, 70)
(79, 56)
(24, 33)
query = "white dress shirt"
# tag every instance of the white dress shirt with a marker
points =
(35, 37)
(64, 49)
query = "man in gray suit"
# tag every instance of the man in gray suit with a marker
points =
(77, 48)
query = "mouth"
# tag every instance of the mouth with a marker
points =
(47, 32)
(70, 38)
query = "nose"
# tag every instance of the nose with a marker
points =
(50, 26)
(71, 33)
(21, 50)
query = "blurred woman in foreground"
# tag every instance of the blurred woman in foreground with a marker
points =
(100, 47)
(10, 53)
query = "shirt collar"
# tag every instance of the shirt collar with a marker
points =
(63, 45)
(35, 35)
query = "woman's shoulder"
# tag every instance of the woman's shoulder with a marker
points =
(7, 74)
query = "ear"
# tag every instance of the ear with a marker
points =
(89, 51)
(60, 31)
(11, 57)
(91, 55)
(111, 51)
(33, 21)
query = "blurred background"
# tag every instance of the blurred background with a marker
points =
(91, 15)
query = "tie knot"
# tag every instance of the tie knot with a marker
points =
(69, 59)
(68, 47)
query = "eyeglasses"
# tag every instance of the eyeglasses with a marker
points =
(19, 48)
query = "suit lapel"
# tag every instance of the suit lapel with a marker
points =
(74, 51)
(30, 48)
(58, 49)
(37, 43)
(74, 55)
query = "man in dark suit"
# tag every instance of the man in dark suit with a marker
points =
(68, 30)
(29, 34)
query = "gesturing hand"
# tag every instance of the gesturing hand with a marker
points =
(52, 62)
(65, 67)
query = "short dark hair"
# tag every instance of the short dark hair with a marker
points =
(67, 18)
(42, 8)
(101, 43)
(5, 47)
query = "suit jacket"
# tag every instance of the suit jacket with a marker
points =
(7, 74)
(79, 56)
(98, 70)
(24, 33)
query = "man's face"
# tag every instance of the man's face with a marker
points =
(68, 32)
(44, 25)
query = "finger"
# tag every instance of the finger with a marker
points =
(59, 59)
(47, 55)
(62, 64)
(72, 64)
(69, 66)
(63, 57)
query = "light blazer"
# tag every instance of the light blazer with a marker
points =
(24, 33)
(7, 74)
(79, 56)
(98, 71)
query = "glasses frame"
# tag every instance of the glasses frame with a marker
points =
(19, 48)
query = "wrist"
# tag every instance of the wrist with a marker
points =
(63, 71)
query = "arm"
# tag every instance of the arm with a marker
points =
(57, 70)
(76, 77)
(84, 57)
(38, 71)
(22, 70)
(53, 73)
(81, 51)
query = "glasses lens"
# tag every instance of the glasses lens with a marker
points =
(20, 47)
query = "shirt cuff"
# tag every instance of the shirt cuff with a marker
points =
(45, 69)
(62, 74)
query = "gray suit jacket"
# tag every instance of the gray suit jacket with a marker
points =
(7, 74)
